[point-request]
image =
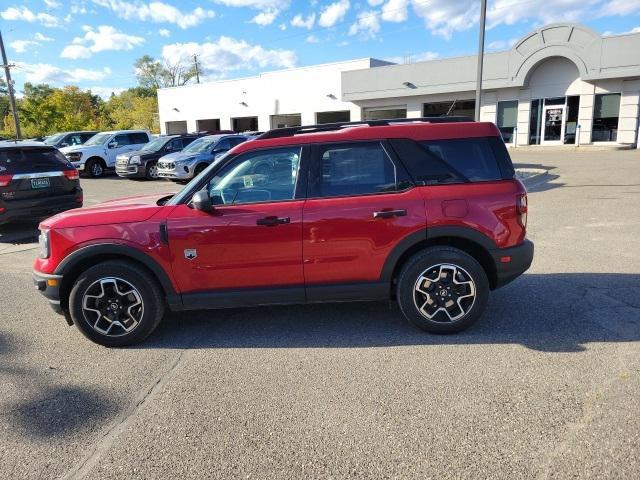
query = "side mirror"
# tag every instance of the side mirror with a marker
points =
(64, 144)
(201, 201)
(112, 144)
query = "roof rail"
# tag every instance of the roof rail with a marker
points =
(328, 127)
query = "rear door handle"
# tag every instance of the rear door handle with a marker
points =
(390, 213)
(273, 221)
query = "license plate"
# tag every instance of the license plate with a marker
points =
(40, 183)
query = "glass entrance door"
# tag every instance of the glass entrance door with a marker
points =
(553, 125)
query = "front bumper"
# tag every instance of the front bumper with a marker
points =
(180, 172)
(130, 170)
(520, 257)
(39, 207)
(78, 166)
(49, 286)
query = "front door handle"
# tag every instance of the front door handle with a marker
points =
(273, 221)
(390, 213)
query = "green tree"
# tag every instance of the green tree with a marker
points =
(133, 108)
(154, 74)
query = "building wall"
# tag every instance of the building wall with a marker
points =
(301, 90)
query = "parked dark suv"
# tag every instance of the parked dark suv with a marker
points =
(35, 181)
(143, 163)
(426, 212)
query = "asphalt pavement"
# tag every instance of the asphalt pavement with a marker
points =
(546, 385)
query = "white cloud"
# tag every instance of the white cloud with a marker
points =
(619, 7)
(41, 38)
(264, 18)
(52, 3)
(94, 41)
(158, 12)
(610, 33)
(395, 11)
(228, 54)
(163, 32)
(501, 44)
(312, 39)
(45, 73)
(21, 46)
(26, 15)
(105, 92)
(367, 24)
(263, 5)
(375, 3)
(300, 21)
(334, 13)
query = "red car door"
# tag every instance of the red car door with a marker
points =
(252, 239)
(360, 206)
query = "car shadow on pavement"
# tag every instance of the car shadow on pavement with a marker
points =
(19, 232)
(551, 313)
(41, 407)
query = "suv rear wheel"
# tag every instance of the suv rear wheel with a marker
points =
(116, 303)
(442, 290)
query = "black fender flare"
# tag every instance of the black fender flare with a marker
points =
(124, 251)
(431, 233)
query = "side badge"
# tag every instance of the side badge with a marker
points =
(190, 253)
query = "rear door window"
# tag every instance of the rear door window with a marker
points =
(355, 169)
(32, 160)
(472, 157)
(123, 140)
(139, 137)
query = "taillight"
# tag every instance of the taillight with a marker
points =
(71, 174)
(521, 204)
(5, 180)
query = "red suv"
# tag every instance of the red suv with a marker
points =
(424, 211)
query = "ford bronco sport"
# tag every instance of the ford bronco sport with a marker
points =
(426, 212)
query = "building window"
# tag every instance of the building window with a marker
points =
(384, 113)
(507, 119)
(175, 128)
(535, 121)
(290, 120)
(606, 112)
(570, 129)
(244, 124)
(453, 108)
(208, 125)
(333, 117)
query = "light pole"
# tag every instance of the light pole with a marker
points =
(12, 99)
(483, 18)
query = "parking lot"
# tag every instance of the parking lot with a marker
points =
(546, 385)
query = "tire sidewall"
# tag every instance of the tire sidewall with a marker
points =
(148, 169)
(143, 282)
(90, 164)
(426, 259)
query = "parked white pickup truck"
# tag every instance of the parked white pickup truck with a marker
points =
(99, 152)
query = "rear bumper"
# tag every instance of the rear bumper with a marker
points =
(520, 256)
(49, 286)
(39, 207)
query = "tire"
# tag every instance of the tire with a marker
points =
(199, 169)
(130, 309)
(430, 300)
(94, 167)
(151, 171)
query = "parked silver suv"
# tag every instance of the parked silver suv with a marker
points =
(188, 163)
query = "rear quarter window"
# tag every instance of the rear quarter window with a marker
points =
(32, 160)
(472, 157)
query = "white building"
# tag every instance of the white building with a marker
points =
(559, 84)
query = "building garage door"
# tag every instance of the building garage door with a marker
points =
(208, 125)
(384, 113)
(244, 124)
(281, 121)
(176, 128)
(333, 117)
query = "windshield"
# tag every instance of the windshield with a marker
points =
(199, 145)
(155, 145)
(98, 139)
(53, 139)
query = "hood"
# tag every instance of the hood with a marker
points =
(78, 148)
(121, 210)
(177, 156)
(142, 153)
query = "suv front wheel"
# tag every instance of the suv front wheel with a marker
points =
(442, 290)
(116, 303)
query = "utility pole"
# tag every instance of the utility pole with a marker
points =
(12, 99)
(195, 61)
(483, 18)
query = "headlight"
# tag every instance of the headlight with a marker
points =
(135, 160)
(74, 156)
(45, 245)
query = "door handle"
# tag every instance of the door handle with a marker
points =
(273, 221)
(390, 213)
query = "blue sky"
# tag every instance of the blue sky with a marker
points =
(93, 43)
